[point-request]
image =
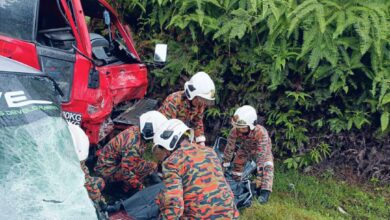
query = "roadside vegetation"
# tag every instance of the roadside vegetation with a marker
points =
(317, 71)
(300, 196)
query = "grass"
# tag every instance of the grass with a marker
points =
(298, 196)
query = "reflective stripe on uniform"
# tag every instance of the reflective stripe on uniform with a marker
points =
(237, 173)
(226, 164)
(269, 163)
(200, 139)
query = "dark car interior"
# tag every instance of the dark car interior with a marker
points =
(53, 29)
(107, 43)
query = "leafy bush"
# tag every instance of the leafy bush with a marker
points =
(312, 68)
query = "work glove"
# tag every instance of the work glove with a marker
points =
(99, 205)
(101, 214)
(200, 140)
(154, 178)
(112, 208)
(263, 196)
(225, 166)
(236, 178)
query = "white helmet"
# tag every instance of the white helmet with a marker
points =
(80, 141)
(170, 133)
(200, 85)
(245, 116)
(150, 122)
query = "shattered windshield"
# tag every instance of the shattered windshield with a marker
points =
(40, 175)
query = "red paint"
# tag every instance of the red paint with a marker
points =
(118, 83)
(22, 51)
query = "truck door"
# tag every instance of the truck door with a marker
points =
(55, 40)
(114, 51)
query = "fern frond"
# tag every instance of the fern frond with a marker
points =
(210, 25)
(331, 19)
(177, 21)
(275, 10)
(345, 57)
(315, 57)
(226, 27)
(330, 51)
(301, 7)
(299, 17)
(363, 27)
(238, 29)
(320, 17)
(200, 17)
(265, 7)
(186, 6)
(331, 4)
(377, 32)
(272, 24)
(351, 17)
(341, 24)
(253, 6)
(308, 40)
(214, 2)
(322, 72)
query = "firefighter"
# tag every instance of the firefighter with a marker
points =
(255, 145)
(195, 187)
(94, 185)
(189, 105)
(121, 159)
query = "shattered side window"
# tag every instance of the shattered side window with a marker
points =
(61, 70)
(17, 18)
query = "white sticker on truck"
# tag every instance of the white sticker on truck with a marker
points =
(74, 118)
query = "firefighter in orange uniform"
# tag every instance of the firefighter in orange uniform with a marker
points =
(189, 105)
(195, 185)
(255, 145)
(122, 158)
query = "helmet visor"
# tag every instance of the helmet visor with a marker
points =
(238, 123)
(147, 131)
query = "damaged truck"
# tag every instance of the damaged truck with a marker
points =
(90, 54)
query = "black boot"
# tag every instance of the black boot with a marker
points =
(263, 196)
(112, 208)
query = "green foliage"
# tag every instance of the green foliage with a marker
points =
(292, 126)
(309, 67)
(213, 113)
(315, 155)
(297, 196)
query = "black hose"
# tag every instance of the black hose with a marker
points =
(61, 12)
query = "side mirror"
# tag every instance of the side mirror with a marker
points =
(160, 53)
(107, 19)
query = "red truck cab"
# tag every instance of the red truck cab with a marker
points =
(84, 47)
